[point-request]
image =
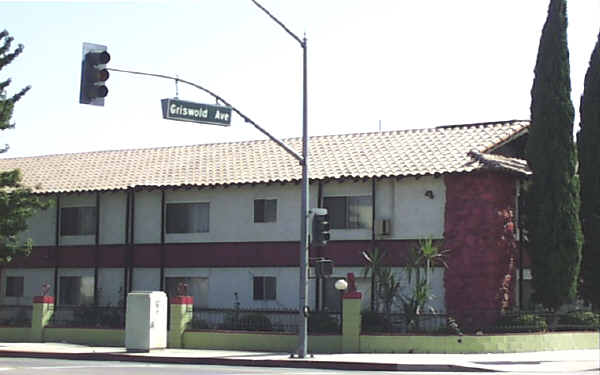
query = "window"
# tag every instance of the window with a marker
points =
(14, 286)
(187, 217)
(77, 221)
(265, 288)
(76, 290)
(265, 210)
(349, 212)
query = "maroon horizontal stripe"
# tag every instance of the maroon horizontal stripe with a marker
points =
(216, 254)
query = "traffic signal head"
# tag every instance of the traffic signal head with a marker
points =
(320, 228)
(93, 74)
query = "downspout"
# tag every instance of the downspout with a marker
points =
(162, 241)
(373, 239)
(520, 239)
(126, 241)
(318, 279)
(56, 249)
(131, 259)
(96, 248)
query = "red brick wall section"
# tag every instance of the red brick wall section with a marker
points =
(475, 224)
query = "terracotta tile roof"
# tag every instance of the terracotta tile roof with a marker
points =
(394, 153)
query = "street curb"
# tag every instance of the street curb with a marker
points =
(291, 363)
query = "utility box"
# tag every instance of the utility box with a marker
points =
(146, 321)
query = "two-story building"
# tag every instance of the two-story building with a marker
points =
(225, 217)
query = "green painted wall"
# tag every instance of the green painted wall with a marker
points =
(15, 334)
(479, 344)
(272, 342)
(87, 336)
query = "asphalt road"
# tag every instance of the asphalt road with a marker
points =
(20, 366)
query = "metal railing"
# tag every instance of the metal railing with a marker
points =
(480, 321)
(88, 316)
(15, 315)
(285, 320)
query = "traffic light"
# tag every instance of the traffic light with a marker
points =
(320, 227)
(93, 74)
(324, 267)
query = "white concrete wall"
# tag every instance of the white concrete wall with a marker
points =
(32, 284)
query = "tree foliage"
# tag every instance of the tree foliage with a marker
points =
(553, 224)
(588, 141)
(17, 203)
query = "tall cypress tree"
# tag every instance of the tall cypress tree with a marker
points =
(554, 230)
(17, 203)
(588, 141)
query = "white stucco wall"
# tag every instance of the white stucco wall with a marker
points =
(146, 279)
(415, 215)
(110, 286)
(41, 228)
(147, 216)
(113, 206)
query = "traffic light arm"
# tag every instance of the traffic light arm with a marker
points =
(225, 102)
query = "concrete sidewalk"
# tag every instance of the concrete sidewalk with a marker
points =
(554, 361)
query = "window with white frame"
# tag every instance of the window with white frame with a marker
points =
(354, 212)
(188, 217)
(77, 221)
(265, 210)
(265, 288)
(14, 286)
(76, 290)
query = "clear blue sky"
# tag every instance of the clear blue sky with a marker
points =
(408, 64)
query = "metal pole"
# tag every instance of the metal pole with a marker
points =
(305, 217)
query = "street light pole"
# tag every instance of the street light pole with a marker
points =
(305, 219)
(304, 211)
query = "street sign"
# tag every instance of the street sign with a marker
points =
(181, 110)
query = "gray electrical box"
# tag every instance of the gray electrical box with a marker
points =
(146, 321)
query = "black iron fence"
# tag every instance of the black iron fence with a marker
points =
(488, 322)
(88, 316)
(285, 320)
(15, 315)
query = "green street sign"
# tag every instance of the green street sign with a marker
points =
(181, 110)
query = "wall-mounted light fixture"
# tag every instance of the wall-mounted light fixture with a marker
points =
(429, 194)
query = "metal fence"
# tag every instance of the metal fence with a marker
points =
(88, 316)
(263, 320)
(480, 322)
(16, 315)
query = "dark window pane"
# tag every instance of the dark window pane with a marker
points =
(265, 210)
(188, 217)
(258, 288)
(70, 290)
(270, 288)
(360, 214)
(336, 209)
(14, 286)
(77, 221)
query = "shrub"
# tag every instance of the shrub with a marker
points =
(372, 321)
(248, 322)
(521, 323)
(322, 322)
(579, 320)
